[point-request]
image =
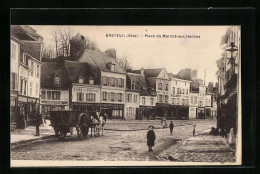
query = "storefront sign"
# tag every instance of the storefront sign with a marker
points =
(55, 102)
(22, 99)
(82, 89)
(176, 95)
(111, 106)
(85, 104)
(23, 72)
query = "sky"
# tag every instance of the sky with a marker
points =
(173, 53)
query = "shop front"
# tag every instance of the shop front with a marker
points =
(146, 112)
(163, 110)
(179, 112)
(113, 110)
(201, 113)
(13, 109)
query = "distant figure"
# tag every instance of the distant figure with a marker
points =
(171, 127)
(163, 122)
(150, 138)
(194, 129)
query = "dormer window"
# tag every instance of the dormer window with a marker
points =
(81, 79)
(57, 79)
(113, 67)
(132, 86)
(91, 81)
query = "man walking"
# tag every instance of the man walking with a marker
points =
(171, 127)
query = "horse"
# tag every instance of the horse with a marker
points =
(102, 122)
(94, 121)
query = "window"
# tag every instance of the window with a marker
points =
(38, 71)
(32, 68)
(80, 96)
(56, 95)
(116, 82)
(48, 95)
(14, 81)
(57, 80)
(112, 96)
(160, 86)
(108, 81)
(31, 86)
(201, 103)
(113, 67)
(37, 89)
(183, 101)
(13, 51)
(112, 81)
(178, 91)
(116, 96)
(120, 96)
(135, 98)
(132, 86)
(43, 96)
(81, 79)
(160, 98)
(173, 101)
(91, 81)
(192, 99)
(90, 97)
(178, 101)
(166, 87)
(183, 91)
(120, 82)
(129, 98)
(143, 100)
(195, 99)
(25, 87)
(166, 99)
(173, 90)
(187, 102)
(105, 96)
(104, 81)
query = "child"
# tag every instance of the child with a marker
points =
(150, 138)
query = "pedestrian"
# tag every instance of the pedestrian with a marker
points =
(171, 127)
(194, 129)
(150, 138)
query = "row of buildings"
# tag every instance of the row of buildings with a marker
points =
(96, 82)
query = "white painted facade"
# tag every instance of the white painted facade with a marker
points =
(131, 104)
(147, 100)
(193, 104)
(85, 93)
(180, 90)
(163, 87)
(15, 55)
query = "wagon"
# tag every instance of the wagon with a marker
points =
(63, 121)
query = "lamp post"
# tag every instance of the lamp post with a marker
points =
(232, 52)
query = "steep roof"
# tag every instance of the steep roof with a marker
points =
(49, 70)
(151, 82)
(76, 69)
(101, 60)
(171, 75)
(24, 32)
(137, 79)
(148, 72)
(194, 86)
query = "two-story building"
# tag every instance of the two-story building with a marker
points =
(180, 97)
(85, 88)
(54, 88)
(29, 73)
(113, 80)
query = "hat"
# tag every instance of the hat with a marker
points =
(151, 126)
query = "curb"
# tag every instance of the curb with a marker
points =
(31, 141)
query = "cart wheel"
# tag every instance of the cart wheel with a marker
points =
(80, 135)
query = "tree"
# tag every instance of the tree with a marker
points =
(65, 36)
(47, 51)
(55, 35)
(124, 62)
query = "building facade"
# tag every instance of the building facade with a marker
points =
(180, 97)
(113, 81)
(28, 101)
(193, 107)
(54, 88)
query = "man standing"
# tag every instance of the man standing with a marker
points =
(150, 138)
(171, 127)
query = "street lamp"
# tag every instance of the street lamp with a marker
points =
(232, 52)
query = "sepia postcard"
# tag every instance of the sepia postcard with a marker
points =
(93, 95)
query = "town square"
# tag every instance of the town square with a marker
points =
(125, 93)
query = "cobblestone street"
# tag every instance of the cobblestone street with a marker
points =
(114, 145)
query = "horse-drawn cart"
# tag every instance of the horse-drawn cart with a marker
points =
(63, 121)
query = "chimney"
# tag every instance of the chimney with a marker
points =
(142, 71)
(111, 52)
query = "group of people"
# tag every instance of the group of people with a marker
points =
(151, 136)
